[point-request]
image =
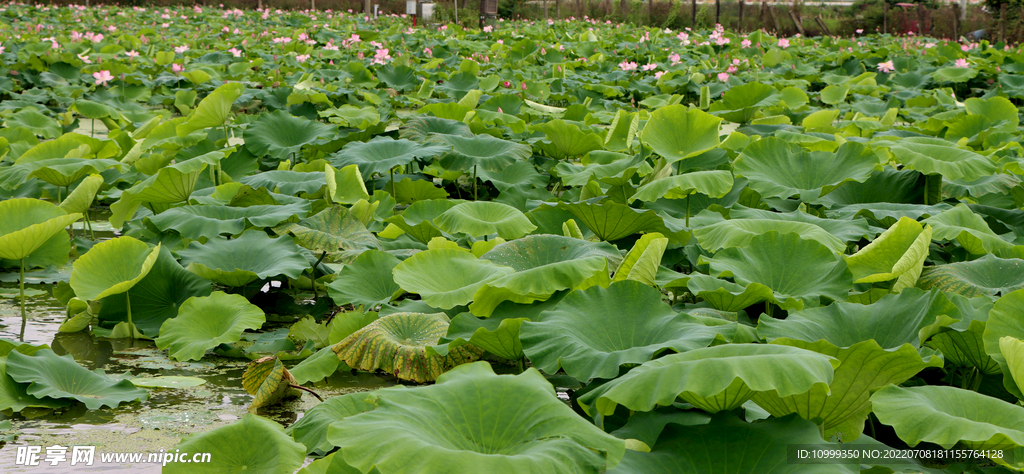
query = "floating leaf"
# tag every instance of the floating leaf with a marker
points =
(53, 376)
(204, 322)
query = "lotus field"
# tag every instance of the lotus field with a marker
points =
(537, 247)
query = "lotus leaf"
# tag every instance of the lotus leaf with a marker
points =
(483, 151)
(331, 230)
(240, 261)
(564, 140)
(311, 429)
(171, 184)
(613, 221)
(382, 154)
(30, 224)
(396, 344)
(204, 322)
(287, 182)
(714, 379)
(741, 103)
(53, 376)
(898, 253)
(252, 444)
(367, 280)
(268, 382)
(643, 260)
(968, 229)
(499, 424)
(934, 156)
(798, 271)
(167, 381)
(543, 264)
(725, 295)
(591, 333)
(213, 110)
(420, 128)
(345, 185)
(716, 183)
(776, 168)
(948, 415)
(677, 132)
(739, 232)
(479, 218)
(194, 222)
(281, 136)
(446, 278)
(988, 275)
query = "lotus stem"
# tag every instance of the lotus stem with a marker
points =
(300, 387)
(474, 182)
(688, 210)
(21, 295)
(88, 222)
(391, 172)
(312, 273)
(128, 308)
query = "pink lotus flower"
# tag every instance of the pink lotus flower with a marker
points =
(302, 58)
(522, 86)
(783, 43)
(131, 54)
(235, 52)
(723, 77)
(428, 52)
(330, 47)
(649, 67)
(176, 68)
(627, 66)
(674, 59)
(886, 67)
(97, 38)
(506, 84)
(961, 63)
(658, 74)
(181, 49)
(732, 69)
(102, 77)
(745, 43)
(488, 29)
(381, 56)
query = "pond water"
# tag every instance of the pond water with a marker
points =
(157, 423)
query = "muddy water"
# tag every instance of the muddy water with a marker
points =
(157, 423)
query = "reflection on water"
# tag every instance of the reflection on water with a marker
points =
(159, 422)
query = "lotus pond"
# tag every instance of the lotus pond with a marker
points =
(319, 242)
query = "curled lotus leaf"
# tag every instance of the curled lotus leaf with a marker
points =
(897, 254)
(112, 267)
(30, 224)
(474, 421)
(397, 344)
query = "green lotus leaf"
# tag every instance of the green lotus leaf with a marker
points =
(253, 444)
(317, 367)
(703, 448)
(171, 184)
(53, 376)
(725, 295)
(418, 219)
(31, 119)
(643, 260)
(446, 278)
(311, 429)
(70, 145)
(988, 275)
(14, 396)
(345, 185)
(798, 271)
(331, 230)
(593, 332)
(481, 218)
(543, 264)
(194, 222)
(954, 74)
(382, 154)
(935, 156)
(740, 104)
(67, 171)
(1012, 350)
(564, 140)
(367, 280)
(156, 297)
(30, 224)
(280, 135)
(213, 110)
(777, 168)
(615, 169)
(994, 184)
(204, 322)
(333, 463)
(112, 267)
(474, 421)
(968, 229)
(613, 221)
(898, 253)
(287, 182)
(677, 132)
(739, 232)
(411, 191)
(948, 415)
(240, 261)
(714, 379)
(483, 151)
(1005, 319)
(80, 200)
(421, 127)
(715, 184)
(962, 341)
(397, 344)
(845, 230)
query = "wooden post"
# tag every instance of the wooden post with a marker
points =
(1002, 22)
(956, 21)
(693, 20)
(312, 4)
(796, 21)
(739, 23)
(963, 10)
(885, 17)
(824, 27)
(558, 8)
(718, 10)
(624, 5)
(775, 19)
